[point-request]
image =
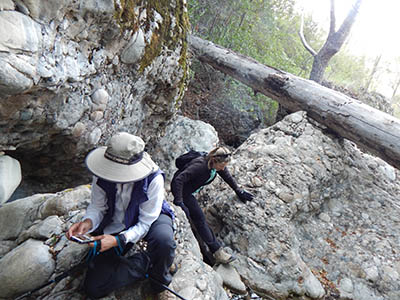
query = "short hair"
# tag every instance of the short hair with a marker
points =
(219, 155)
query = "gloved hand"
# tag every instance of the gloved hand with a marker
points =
(244, 196)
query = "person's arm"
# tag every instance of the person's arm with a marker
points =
(98, 205)
(94, 212)
(149, 211)
(243, 195)
(227, 177)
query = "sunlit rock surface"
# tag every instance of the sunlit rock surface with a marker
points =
(324, 220)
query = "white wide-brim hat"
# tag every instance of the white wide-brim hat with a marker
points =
(122, 160)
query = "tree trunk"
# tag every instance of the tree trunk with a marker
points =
(333, 42)
(318, 67)
(369, 128)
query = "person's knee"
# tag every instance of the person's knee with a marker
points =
(164, 248)
(167, 243)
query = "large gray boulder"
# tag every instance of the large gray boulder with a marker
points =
(10, 176)
(35, 259)
(44, 252)
(181, 135)
(324, 221)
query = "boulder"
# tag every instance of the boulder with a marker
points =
(10, 177)
(25, 268)
(315, 226)
(313, 231)
(45, 253)
(181, 135)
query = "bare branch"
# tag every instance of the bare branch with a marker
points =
(303, 39)
(345, 28)
(332, 25)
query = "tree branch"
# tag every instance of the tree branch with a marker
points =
(332, 19)
(303, 39)
(345, 28)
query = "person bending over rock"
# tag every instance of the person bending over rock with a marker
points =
(190, 179)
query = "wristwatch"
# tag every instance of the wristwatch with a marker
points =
(122, 239)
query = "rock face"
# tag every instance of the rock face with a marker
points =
(37, 225)
(72, 73)
(324, 220)
(323, 225)
(182, 135)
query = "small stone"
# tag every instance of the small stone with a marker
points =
(231, 279)
(296, 117)
(100, 96)
(96, 115)
(372, 273)
(313, 287)
(78, 129)
(256, 182)
(286, 197)
(94, 136)
(324, 217)
(26, 115)
(346, 285)
(135, 48)
(365, 216)
(99, 107)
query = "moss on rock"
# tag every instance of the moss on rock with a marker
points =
(166, 36)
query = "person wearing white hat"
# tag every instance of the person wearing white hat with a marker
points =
(127, 205)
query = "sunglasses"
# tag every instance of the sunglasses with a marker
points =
(223, 155)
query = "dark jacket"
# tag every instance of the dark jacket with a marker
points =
(195, 175)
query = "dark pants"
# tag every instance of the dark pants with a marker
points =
(109, 271)
(199, 221)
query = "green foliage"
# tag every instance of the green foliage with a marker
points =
(243, 98)
(268, 32)
(348, 71)
(255, 28)
(264, 30)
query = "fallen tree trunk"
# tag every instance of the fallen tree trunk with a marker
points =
(371, 129)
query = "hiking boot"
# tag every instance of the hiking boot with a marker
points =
(221, 257)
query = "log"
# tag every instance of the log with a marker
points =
(371, 129)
